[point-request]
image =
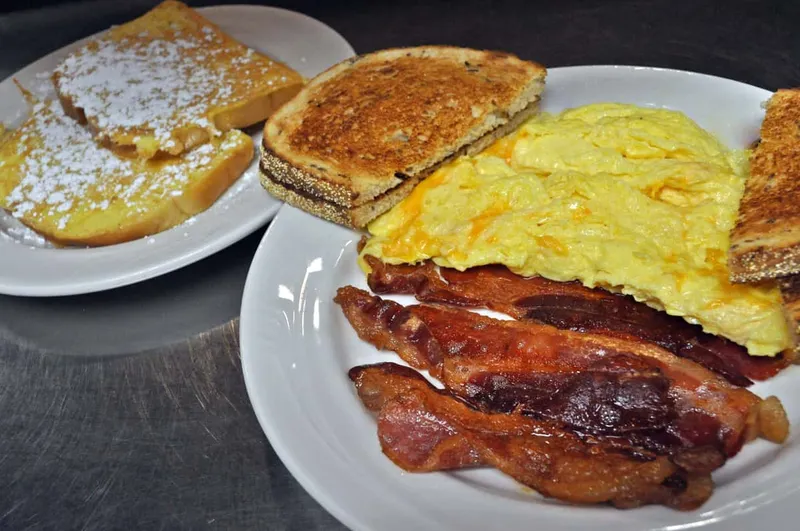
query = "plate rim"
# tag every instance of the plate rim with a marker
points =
(167, 263)
(298, 472)
(248, 319)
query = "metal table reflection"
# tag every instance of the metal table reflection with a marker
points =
(127, 409)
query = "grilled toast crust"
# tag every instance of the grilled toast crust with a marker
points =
(298, 188)
(766, 240)
(371, 123)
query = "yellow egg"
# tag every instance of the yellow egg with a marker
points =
(636, 200)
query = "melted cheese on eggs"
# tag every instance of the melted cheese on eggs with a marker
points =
(636, 200)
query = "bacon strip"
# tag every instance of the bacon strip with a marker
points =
(596, 384)
(422, 429)
(571, 306)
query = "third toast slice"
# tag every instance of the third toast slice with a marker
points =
(766, 240)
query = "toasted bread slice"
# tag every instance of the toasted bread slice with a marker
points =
(168, 81)
(57, 180)
(359, 136)
(766, 240)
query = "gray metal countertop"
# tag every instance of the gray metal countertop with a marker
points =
(127, 410)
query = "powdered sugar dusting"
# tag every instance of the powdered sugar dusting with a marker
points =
(61, 163)
(66, 175)
(42, 87)
(142, 87)
(12, 230)
(153, 85)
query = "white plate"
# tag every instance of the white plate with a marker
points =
(28, 266)
(297, 347)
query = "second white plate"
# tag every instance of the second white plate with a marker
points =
(297, 348)
(30, 267)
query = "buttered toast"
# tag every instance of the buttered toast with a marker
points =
(765, 243)
(57, 180)
(168, 81)
(359, 137)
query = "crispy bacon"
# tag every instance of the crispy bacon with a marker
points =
(422, 429)
(571, 306)
(596, 384)
(432, 447)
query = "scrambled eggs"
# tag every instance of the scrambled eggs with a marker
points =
(632, 199)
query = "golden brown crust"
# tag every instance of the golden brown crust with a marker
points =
(766, 240)
(369, 123)
(402, 126)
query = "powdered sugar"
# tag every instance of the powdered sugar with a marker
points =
(60, 167)
(65, 173)
(140, 87)
(42, 87)
(154, 85)
(12, 230)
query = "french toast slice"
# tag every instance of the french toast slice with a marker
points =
(357, 138)
(58, 181)
(169, 81)
(765, 243)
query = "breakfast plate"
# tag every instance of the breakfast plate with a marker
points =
(297, 348)
(31, 267)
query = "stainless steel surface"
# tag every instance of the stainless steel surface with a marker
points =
(127, 410)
